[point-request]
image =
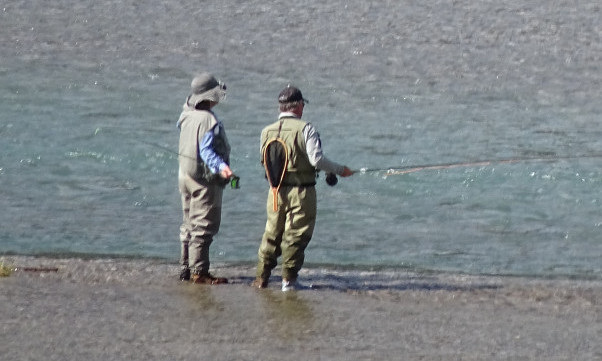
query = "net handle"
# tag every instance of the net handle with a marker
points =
(276, 188)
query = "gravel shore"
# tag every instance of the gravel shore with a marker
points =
(107, 309)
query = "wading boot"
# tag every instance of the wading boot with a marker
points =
(185, 274)
(290, 285)
(260, 283)
(208, 279)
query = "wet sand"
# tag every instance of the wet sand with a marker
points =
(72, 309)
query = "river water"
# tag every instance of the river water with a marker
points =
(90, 92)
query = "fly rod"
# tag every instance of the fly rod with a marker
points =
(479, 163)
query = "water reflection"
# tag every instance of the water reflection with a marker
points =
(288, 315)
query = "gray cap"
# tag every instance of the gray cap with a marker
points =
(205, 87)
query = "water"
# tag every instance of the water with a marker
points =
(90, 92)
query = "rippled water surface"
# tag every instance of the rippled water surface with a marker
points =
(90, 92)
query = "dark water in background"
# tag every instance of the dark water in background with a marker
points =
(90, 92)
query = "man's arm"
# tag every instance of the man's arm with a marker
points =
(214, 162)
(317, 158)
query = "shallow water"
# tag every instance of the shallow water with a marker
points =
(106, 309)
(90, 93)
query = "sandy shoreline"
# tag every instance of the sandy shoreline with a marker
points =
(70, 309)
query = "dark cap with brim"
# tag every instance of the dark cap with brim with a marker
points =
(291, 94)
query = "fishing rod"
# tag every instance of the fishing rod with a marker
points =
(479, 163)
(234, 179)
(332, 180)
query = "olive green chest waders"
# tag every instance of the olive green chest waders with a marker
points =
(291, 203)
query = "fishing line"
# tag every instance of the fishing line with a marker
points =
(400, 170)
(480, 163)
(168, 150)
(234, 179)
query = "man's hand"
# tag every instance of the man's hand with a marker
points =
(226, 173)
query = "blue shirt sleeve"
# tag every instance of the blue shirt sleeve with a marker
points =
(215, 163)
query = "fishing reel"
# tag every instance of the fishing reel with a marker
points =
(331, 179)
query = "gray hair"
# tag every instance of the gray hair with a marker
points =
(287, 107)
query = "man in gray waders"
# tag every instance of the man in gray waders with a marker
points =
(292, 155)
(203, 158)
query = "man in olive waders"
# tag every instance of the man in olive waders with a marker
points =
(292, 155)
(203, 160)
